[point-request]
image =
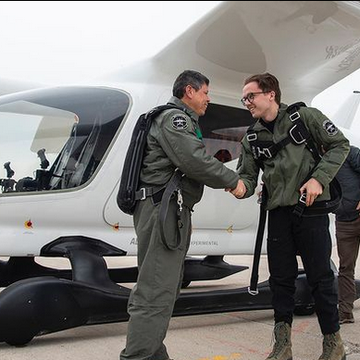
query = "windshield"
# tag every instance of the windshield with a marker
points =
(55, 139)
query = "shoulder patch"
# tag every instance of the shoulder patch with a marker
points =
(330, 127)
(179, 122)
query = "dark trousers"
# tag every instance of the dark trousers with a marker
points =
(309, 237)
(348, 242)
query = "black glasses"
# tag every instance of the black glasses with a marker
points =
(251, 96)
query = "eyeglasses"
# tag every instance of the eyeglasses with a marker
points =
(251, 96)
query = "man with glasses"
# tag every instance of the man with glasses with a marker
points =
(250, 97)
(290, 172)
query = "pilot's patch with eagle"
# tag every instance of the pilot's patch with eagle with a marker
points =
(330, 127)
(179, 122)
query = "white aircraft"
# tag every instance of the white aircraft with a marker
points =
(63, 150)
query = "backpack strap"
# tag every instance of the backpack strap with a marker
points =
(129, 192)
(163, 195)
(144, 192)
(301, 135)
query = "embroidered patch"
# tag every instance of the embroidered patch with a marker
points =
(330, 127)
(179, 122)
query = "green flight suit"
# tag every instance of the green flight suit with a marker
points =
(285, 173)
(288, 234)
(173, 142)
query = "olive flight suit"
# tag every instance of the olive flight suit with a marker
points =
(174, 141)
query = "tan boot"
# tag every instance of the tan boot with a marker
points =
(333, 347)
(282, 346)
(346, 317)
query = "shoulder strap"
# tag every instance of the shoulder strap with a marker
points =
(295, 107)
(299, 133)
(154, 112)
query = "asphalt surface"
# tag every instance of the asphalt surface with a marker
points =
(226, 336)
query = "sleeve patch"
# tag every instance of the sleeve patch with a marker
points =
(330, 127)
(179, 122)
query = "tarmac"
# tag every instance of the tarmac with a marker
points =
(245, 335)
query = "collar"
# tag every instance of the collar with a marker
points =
(190, 112)
(281, 113)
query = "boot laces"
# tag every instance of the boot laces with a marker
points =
(279, 338)
(329, 346)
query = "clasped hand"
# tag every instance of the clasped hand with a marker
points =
(239, 191)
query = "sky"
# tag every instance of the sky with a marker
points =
(62, 42)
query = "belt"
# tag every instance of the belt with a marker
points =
(163, 195)
(145, 192)
(323, 207)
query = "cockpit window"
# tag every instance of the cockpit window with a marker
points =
(55, 139)
(223, 128)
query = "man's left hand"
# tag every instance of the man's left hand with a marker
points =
(239, 191)
(313, 189)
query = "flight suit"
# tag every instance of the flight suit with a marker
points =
(174, 141)
(289, 234)
(285, 173)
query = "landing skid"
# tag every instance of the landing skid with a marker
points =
(45, 304)
(207, 268)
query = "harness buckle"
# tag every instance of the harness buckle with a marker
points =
(253, 292)
(302, 198)
(143, 193)
(299, 138)
(294, 116)
(251, 137)
(179, 199)
(264, 151)
(300, 206)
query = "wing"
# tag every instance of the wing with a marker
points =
(308, 45)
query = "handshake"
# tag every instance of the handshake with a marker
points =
(239, 191)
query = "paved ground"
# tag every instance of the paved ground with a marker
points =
(228, 336)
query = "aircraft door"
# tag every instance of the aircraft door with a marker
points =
(223, 128)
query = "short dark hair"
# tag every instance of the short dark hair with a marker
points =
(266, 82)
(188, 77)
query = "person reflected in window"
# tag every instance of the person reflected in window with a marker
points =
(223, 155)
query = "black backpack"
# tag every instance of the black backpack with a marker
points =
(130, 176)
